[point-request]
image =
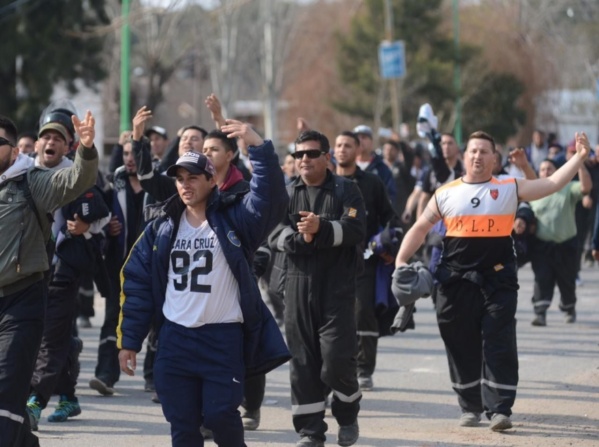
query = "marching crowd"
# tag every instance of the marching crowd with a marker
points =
(187, 238)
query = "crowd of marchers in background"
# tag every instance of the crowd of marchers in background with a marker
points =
(341, 236)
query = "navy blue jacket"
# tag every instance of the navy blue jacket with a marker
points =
(241, 222)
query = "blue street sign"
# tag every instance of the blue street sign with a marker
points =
(392, 59)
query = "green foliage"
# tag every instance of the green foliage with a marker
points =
(428, 55)
(430, 65)
(493, 107)
(46, 42)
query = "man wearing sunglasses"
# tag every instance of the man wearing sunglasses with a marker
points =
(321, 235)
(23, 261)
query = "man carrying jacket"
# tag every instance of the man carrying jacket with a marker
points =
(477, 295)
(23, 262)
(321, 235)
(75, 254)
(379, 214)
(190, 273)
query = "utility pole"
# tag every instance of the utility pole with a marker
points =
(393, 83)
(125, 68)
(457, 83)
(269, 84)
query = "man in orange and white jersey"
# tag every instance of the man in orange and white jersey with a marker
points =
(477, 292)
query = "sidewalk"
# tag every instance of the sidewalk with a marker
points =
(412, 404)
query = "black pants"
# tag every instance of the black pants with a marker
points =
(21, 328)
(253, 393)
(366, 321)
(86, 296)
(321, 335)
(52, 366)
(151, 348)
(554, 264)
(107, 368)
(479, 332)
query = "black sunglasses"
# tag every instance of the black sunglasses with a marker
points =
(311, 153)
(4, 142)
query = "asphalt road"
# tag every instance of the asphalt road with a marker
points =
(412, 403)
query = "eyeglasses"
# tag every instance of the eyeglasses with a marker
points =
(5, 142)
(311, 153)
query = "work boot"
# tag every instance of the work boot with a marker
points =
(539, 320)
(571, 317)
(348, 434)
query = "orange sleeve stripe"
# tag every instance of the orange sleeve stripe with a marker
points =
(499, 225)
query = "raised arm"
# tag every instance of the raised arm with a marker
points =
(264, 206)
(518, 158)
(216, 110)
(53, 189)
(536, 189)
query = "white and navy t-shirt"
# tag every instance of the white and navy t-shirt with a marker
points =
(201, 287)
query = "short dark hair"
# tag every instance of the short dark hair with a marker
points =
(27, 134)
(230, 143)
(314, 135)
(448, 134)
(549, 160)
(394, 144)
(9, 128)
(198, 128)
(481, 135)
(350, 134)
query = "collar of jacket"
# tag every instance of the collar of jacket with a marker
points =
(329, 182)
(173, 206)
(357, 175)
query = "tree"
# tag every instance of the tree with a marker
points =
(49, 43)
(162, 39)
(430, 59)
(429, 56)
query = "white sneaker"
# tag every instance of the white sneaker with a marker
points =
(500, 422)
(469, 419)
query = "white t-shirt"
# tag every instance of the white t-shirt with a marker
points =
(201, 287)
(363, 164)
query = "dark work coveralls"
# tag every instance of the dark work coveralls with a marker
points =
(320, 301)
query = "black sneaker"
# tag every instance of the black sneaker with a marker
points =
(251, 419)
(571, 317)
(206, 433)
(149, 386)
(348, 434)
(101, 387)
(310, 441)
(539, 320)
(365, 383)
